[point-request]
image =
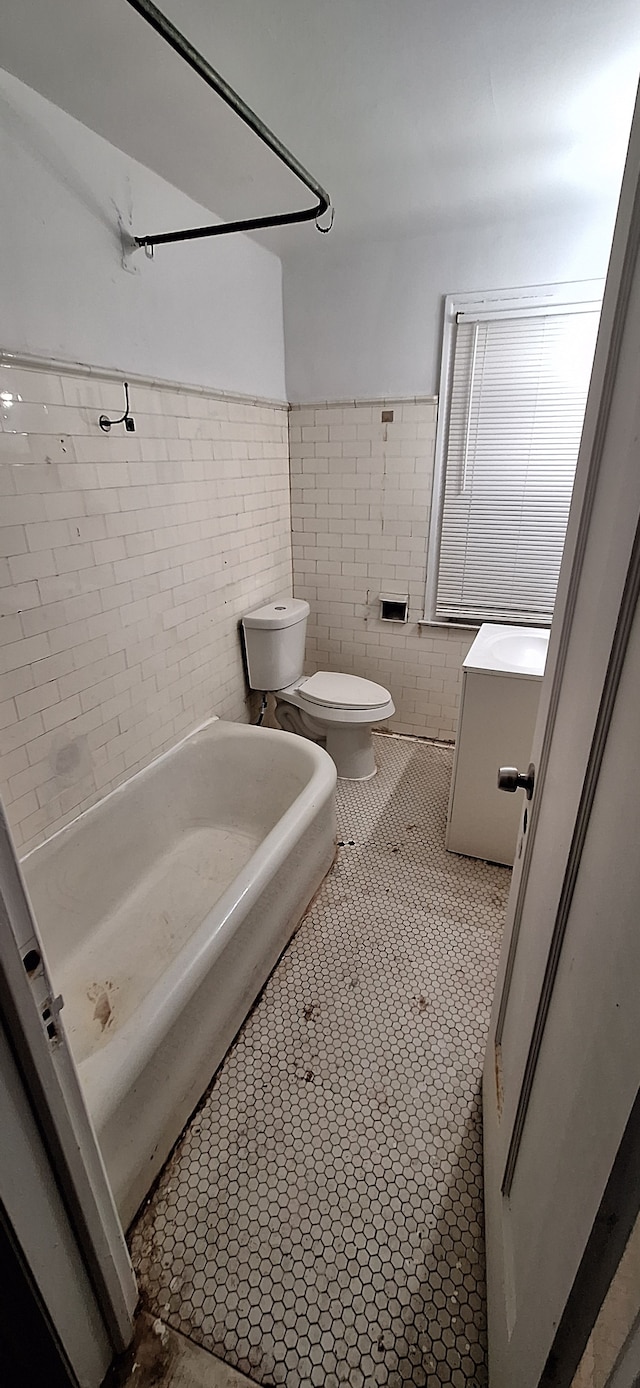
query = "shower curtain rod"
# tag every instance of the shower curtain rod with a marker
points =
(181, 45)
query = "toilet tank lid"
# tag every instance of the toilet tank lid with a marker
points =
(284, 612)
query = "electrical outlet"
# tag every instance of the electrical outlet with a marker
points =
(130, 424)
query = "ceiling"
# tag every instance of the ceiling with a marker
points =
(412, 113)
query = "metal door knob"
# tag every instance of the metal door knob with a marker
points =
(509, 778)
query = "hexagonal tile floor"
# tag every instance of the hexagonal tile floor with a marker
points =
(320, 1221)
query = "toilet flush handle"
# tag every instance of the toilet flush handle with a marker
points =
(509, 778)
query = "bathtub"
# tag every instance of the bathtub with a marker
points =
(162, 911)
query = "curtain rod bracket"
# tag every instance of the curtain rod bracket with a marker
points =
(167, 31)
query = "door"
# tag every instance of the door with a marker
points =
(27, 1338)
(57, 1207)
(563, 1059)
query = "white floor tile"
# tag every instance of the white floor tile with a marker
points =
(320, 1221)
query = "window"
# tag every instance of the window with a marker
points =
(515, 375)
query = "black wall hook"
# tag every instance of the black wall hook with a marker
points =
(126, 418)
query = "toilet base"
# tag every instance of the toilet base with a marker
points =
(352, 751)
(350, 746)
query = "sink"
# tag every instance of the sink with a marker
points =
(522, 652)
(509, 650)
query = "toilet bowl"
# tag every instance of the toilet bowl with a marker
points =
(336, 710)
(339, 711)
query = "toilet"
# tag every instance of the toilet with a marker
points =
(337, 710)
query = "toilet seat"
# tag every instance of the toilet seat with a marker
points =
(329, 690)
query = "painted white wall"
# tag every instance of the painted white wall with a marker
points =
(364, 319)
(209, 313)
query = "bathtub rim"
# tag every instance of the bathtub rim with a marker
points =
(117, 1064)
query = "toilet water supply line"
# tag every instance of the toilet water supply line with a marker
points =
(263, 709)
(185, 49)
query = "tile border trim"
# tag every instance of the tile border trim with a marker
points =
(60, 366)
(27, 361)
(364, 400)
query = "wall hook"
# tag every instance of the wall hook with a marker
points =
(126, 419)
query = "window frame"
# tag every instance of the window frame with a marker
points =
(486, 304)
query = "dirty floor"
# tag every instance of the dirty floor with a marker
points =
(163, 1358)
(320, 1221)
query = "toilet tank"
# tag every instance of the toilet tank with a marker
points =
(274, 638)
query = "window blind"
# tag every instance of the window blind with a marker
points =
(516, 409)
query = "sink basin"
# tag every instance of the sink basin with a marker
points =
(522, 652)
(509, 650)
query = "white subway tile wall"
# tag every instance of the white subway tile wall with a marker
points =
(360, 504)
(126, 562)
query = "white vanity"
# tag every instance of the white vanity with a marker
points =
(500, 692)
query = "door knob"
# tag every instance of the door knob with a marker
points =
(509, 778)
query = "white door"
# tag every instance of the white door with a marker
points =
(53, 1187)
(563, 1061)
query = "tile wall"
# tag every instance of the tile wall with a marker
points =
(126, 561)
(360, 501)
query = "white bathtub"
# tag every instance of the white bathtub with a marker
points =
(162, 911)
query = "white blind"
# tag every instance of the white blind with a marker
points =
(518, 395)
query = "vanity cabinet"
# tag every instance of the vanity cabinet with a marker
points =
(500, 695)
